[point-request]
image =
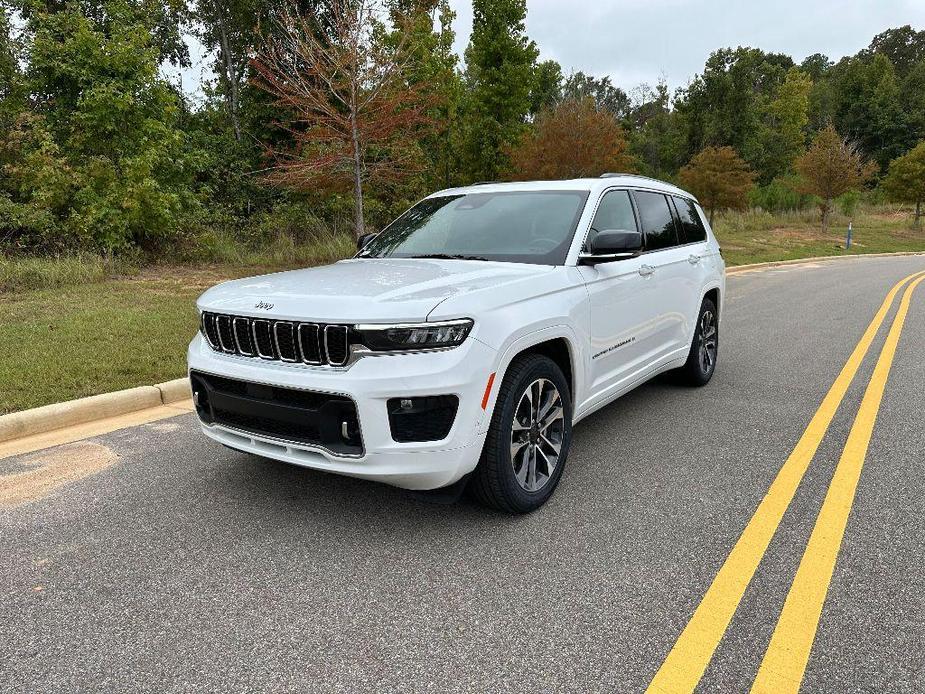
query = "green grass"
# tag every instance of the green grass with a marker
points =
(757, 236)
(20, 274)
(93, 338)
(70, 328)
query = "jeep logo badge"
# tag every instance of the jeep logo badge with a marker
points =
(263, 305)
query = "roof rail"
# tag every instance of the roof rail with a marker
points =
(485, 183)
(632, 175)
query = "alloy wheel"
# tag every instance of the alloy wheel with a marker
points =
(537, 434)
(708, 342)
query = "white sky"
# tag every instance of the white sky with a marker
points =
(636, 41)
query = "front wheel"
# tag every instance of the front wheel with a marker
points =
(701, 360)
(528, 438)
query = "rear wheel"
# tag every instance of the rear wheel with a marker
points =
(528, 438)
(701, 360)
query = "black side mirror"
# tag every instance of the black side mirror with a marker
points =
(363, 240)
(613, 244)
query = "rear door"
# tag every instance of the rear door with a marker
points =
(693, 237)
(666, 266)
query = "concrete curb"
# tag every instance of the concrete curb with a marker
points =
(817, 259)
(41, 420)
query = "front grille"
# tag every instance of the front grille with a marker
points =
(288, 341)
(297, 416)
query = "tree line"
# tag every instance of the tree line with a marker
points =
(331, 109)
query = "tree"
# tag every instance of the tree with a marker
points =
(831, 167)
(905, 181)
(547, 86)
(574, 139)
(578, 86)
(719, 178)
(904, 46)
(499, 76)
(783, 135)
(426, 28)
(344, 99)
(101, 112)
(228, 27)
(657, 134)
(727, 104)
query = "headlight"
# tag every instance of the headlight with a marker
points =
(416, 336)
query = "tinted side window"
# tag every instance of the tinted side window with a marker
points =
(691, 227)
(614, 213)
(657, 220)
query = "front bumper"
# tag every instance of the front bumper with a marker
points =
(370, 382)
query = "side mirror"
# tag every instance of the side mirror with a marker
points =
(613, 244)
(364, 239)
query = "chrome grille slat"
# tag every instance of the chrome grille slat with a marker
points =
(309, 343)
(336, 349)
(263, 337)
(284, 337)
(314, 344)
(210, 332)
(242, 336)
(225, 334)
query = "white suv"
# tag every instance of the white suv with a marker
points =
(463, 342)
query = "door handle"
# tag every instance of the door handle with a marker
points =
(646, 270)
(693, 259)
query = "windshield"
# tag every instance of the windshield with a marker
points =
(516, 227)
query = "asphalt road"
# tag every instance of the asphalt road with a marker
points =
(185, 566)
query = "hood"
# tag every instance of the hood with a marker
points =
(362, 289)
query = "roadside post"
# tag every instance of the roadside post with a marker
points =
(848, 241)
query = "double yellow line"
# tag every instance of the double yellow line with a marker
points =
(785, 660)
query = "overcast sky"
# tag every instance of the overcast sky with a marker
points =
(637, 41)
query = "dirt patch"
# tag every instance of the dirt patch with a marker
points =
(47, 471)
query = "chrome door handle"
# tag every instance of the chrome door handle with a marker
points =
(693, 259)
(646, 270)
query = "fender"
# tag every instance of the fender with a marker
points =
(523, 343)
(719, 309)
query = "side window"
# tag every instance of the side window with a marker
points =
(614, 213)
(657, 220)
(692, 229)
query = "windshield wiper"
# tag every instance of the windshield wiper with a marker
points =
(449, 256)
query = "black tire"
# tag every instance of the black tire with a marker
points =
(698, 369)
(495, 482)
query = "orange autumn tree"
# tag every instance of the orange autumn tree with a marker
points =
(352, 115)
(573, 139)
(719, 178)
(831, 167)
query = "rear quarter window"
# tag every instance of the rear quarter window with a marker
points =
(691, 228)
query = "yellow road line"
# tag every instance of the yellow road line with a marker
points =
(785, 661)
(688, 659)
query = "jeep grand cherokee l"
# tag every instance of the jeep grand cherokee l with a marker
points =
(464, 341)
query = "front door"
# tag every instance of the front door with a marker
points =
(623, 305)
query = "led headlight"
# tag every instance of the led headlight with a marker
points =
(414, 336)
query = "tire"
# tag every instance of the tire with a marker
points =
(701, 360)
(505, 478)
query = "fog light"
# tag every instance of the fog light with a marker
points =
(428, 418)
